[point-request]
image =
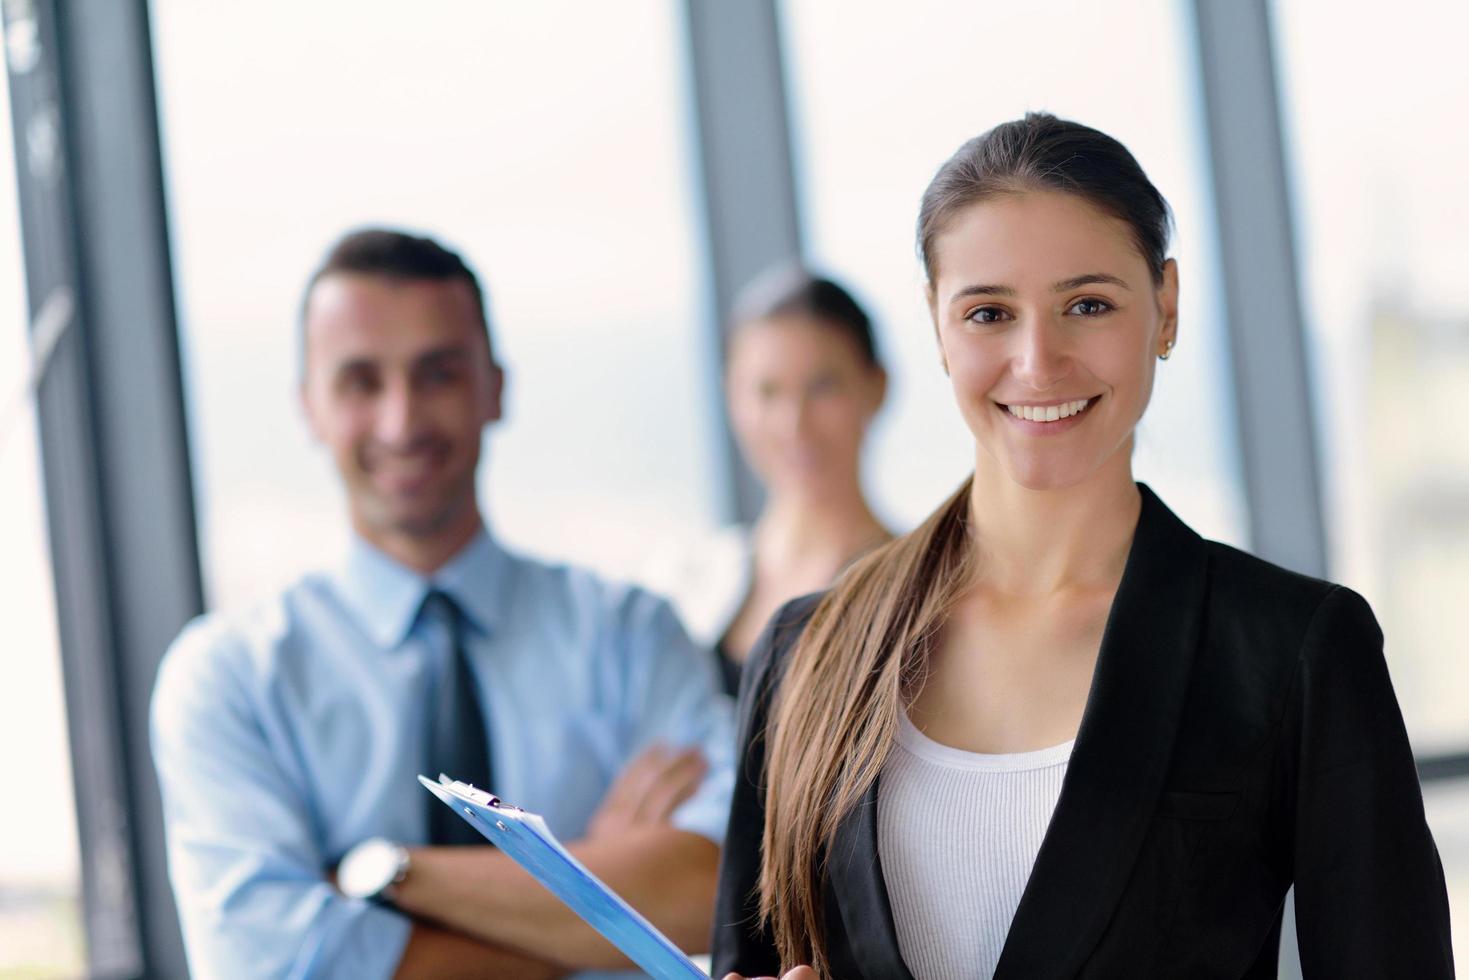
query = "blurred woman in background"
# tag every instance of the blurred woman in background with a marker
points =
(803, 382)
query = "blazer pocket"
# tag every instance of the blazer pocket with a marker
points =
(1189, 805)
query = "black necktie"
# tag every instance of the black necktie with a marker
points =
(458, 737)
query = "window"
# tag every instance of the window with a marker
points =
(1383, 224)
(40, 868)
(1384, 230)
(557, 162)
(869, 141)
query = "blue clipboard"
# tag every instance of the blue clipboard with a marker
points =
(525, 837)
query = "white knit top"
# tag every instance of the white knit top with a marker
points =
(957, 834)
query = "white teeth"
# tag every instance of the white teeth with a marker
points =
(1048, 413)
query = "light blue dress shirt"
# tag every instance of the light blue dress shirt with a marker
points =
(288, 732)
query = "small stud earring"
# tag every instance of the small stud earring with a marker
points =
(1167, 351)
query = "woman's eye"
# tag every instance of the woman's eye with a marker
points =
(825, 385)
(1090, 307)
(987, 314)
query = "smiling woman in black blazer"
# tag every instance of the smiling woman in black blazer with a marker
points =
(1053, 732)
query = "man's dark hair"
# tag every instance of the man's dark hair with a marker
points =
(393, 254)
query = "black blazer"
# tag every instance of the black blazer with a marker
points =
(1240, 735)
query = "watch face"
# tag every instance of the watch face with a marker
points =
(368, 868)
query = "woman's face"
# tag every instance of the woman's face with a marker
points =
(1050, 324)
(801, 395)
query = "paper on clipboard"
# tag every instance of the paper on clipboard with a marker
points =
(525, 837)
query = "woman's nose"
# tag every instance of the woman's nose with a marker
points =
(789, 413)
(1041, 359)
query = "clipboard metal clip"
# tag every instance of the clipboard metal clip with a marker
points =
(474, 794)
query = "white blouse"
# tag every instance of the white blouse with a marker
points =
(957, 835)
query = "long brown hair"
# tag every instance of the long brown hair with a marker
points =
(864, 655)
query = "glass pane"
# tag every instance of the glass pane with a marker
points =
(558, 164)
(870, 140)
(40, 867)
(1383, 223)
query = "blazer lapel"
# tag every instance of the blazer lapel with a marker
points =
(1121, 755)
(861, 897)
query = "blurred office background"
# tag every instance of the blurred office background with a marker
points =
(614, 171)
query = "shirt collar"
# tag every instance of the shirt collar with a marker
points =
(384, 596)
(475, 579)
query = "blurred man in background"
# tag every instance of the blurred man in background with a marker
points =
(287, 736)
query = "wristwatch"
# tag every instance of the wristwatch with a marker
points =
(371, 868)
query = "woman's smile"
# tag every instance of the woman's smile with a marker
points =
(1048, 418)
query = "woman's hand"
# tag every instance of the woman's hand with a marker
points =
(799, 973)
